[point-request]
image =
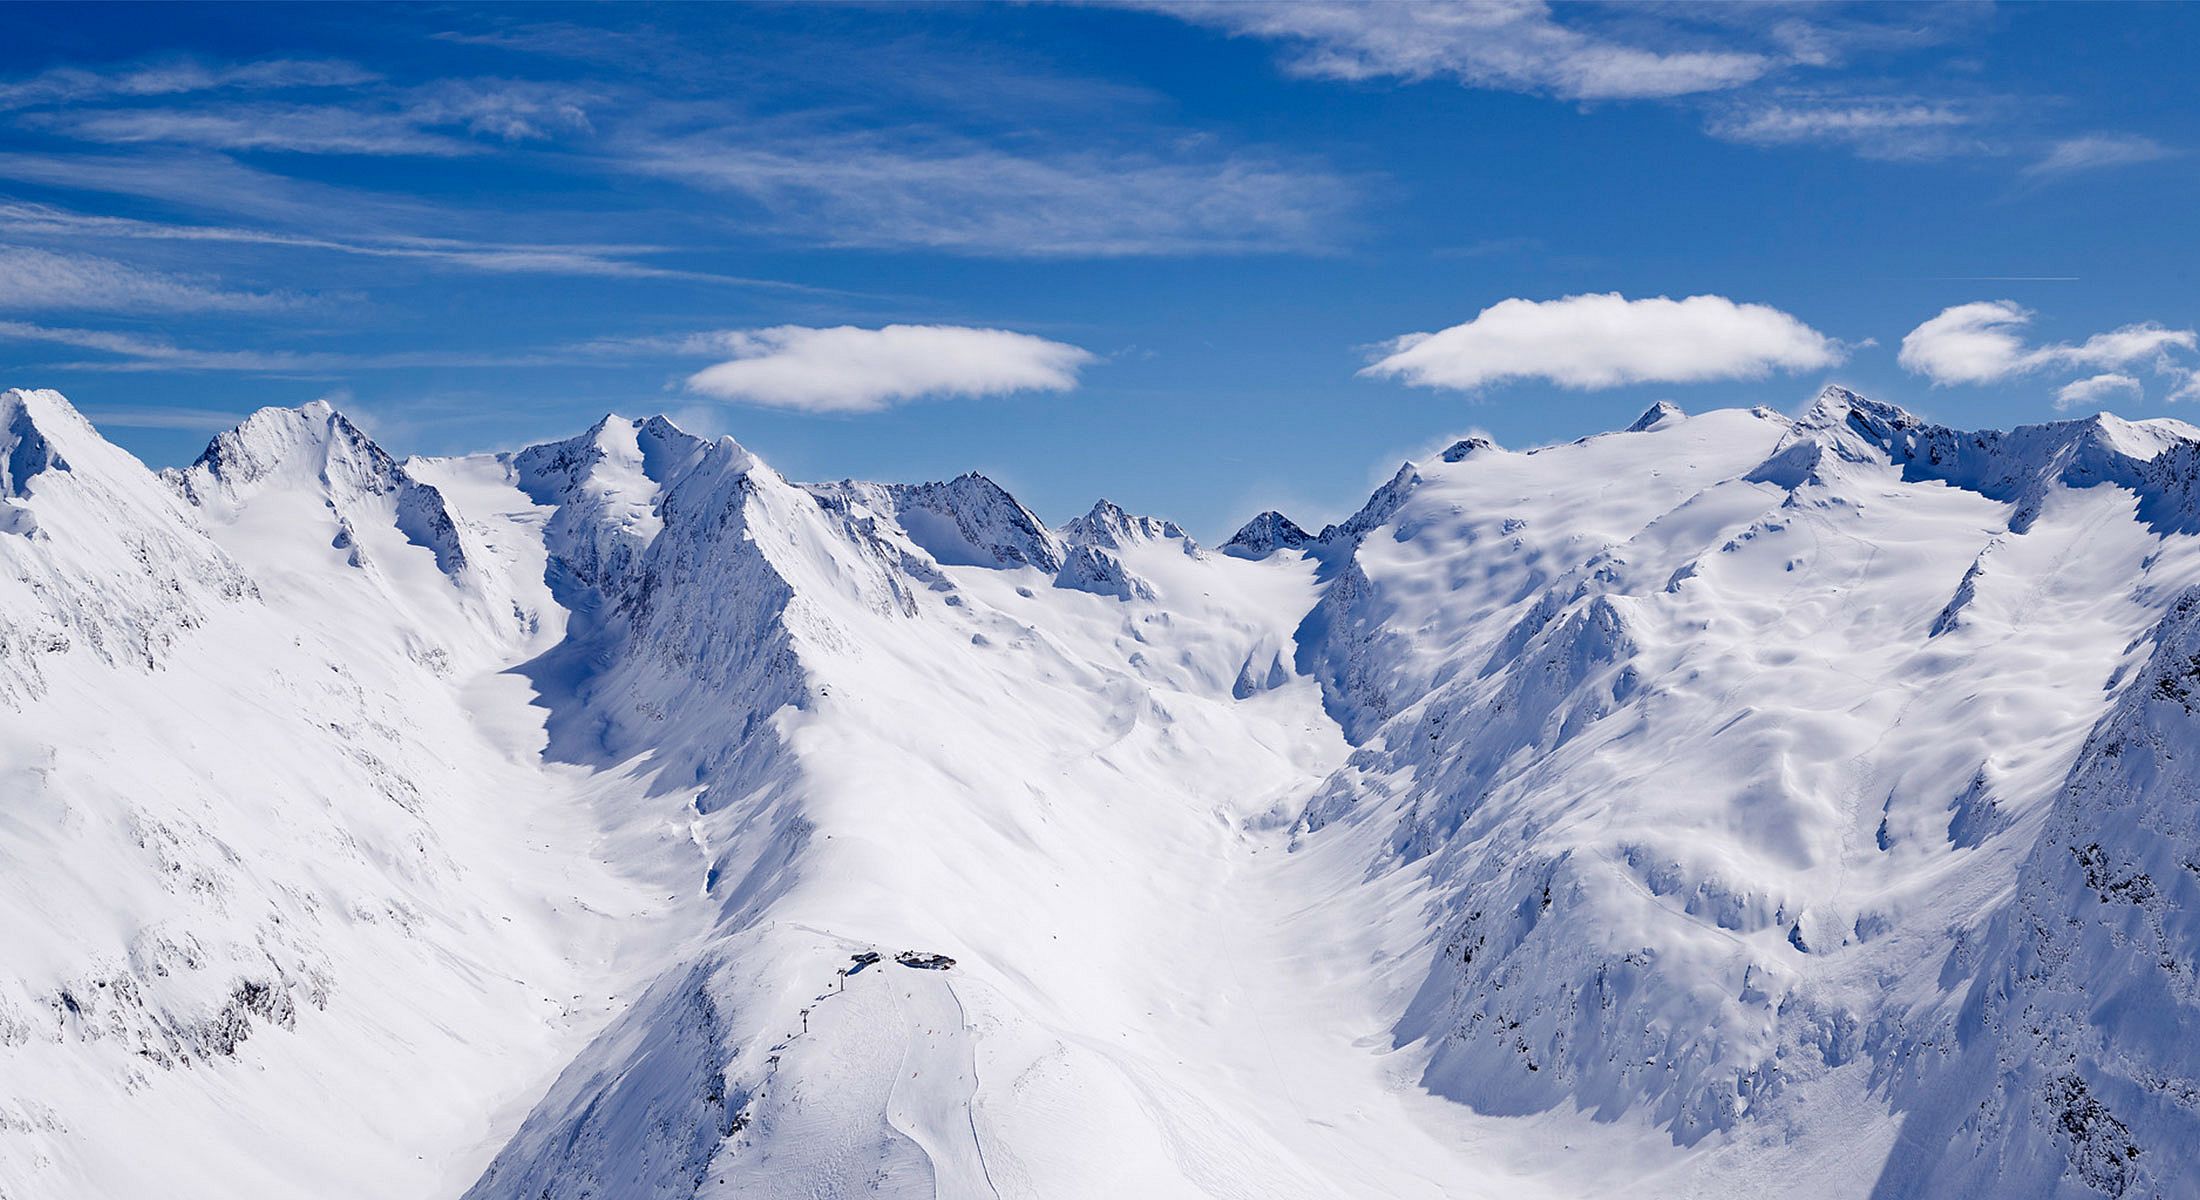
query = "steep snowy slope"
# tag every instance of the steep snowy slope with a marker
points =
(1724, 739)
(277, 450)
(99, 559)
(967, 521)
(1735, 802)
(922, 748)
(286, 915)
(2076, 1053)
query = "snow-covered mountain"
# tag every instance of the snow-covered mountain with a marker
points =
(1734, 802)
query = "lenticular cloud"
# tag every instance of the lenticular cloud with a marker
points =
(849, 369)
(1606, 340)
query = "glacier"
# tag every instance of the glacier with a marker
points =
(1735, 801)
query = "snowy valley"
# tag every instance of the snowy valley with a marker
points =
(1737, 802)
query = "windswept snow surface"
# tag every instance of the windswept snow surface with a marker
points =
(1734, 803)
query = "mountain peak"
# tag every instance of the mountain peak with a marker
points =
(790, 781)
(2018, 466)
(966, 521)
(313, 437)
(44, 438)
(27, 449)
(1459, 451)
(638, 455)
(317, 449)
(1836, 404)
(661, 426)
(1088, 568)
(656, 425)
(1108, 526)
(1264, 535)
(1656, 415)
(1378, 508)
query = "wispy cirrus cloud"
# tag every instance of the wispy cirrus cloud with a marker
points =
(851, 370)
(1596, 341)
(185, 102)
(1747, 68)
(917, 143)
(127, 416)
(1898, 127)
(935, 171)
(908, 73)
(65, 85)
(43, 280)
(2095, 152)
(631, 46)
(512, 110)
(421, 121)
(1512, 45)
(198, 181)
(511, 258)
(885, 191)
(139, 352)
(302, 129)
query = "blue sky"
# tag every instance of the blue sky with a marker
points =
(1172, 254)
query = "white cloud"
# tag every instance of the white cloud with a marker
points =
(1607, 340)
(1513, 45)
(43, 280)
(2129, 344)
(2094, 389)
(847, 369)
(2095, 152)
(1969, 343)
(1982, 342)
